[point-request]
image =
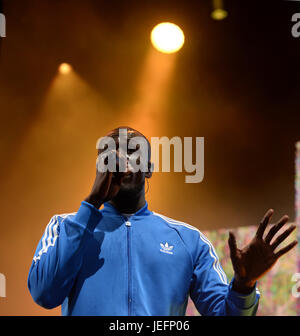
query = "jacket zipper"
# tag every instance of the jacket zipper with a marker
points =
(128, 224)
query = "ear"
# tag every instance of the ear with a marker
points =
(148, 174)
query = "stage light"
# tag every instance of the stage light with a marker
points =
(65, 68)
(218, 13)
(167, 37)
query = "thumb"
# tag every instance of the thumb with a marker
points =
(232, 244)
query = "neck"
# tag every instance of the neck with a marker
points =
(129, 203)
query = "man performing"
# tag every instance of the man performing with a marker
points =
(127, 260)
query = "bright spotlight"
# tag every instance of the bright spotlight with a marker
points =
(219, 14)
(65, 68)
(167, 37)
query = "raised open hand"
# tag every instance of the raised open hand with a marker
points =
(257, 258)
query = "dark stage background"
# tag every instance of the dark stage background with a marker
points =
(235, 82)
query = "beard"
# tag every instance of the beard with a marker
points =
(131, 195)
(130, 190)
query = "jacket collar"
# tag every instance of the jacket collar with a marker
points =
(110, 209)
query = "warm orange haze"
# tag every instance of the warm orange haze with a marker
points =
(223, 73)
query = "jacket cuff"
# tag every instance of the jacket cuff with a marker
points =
(88, 216)
(242, 301)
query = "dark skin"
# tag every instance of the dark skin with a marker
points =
(126, 192)
(257, 258)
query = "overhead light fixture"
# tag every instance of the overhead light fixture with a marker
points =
(218, 13)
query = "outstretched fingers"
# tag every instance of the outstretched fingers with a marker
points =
(276, 228)
(263, 224)
(282, 237)
(286, 249)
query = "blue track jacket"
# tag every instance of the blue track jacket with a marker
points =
(98, 262)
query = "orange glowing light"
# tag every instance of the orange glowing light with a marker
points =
(167, 37)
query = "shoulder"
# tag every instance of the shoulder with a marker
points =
(62, 216)
(65, 215)
(57, 219)
(189, 233)
(174, 223)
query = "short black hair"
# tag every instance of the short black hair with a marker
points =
(131, 133)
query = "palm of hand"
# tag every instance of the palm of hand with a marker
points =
(258, 257)
(253, 261)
